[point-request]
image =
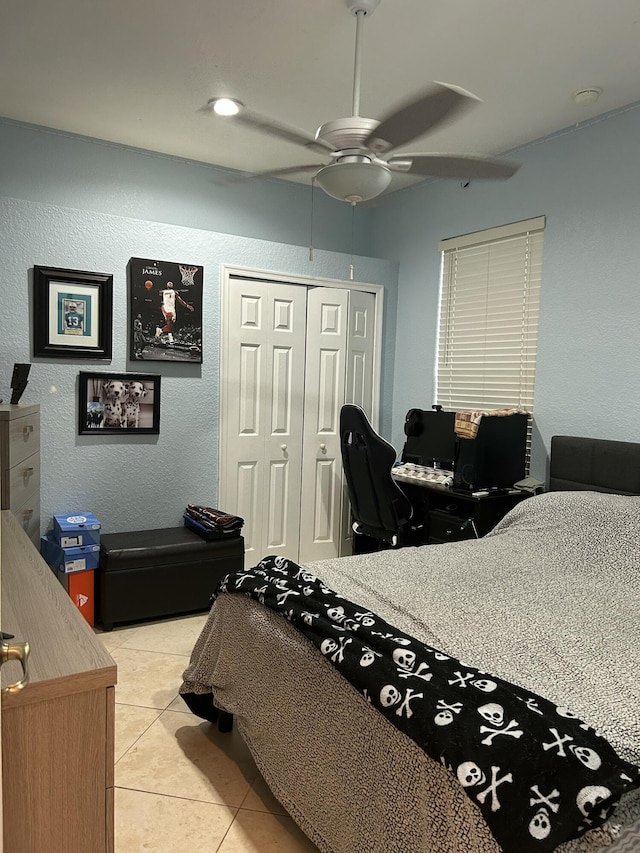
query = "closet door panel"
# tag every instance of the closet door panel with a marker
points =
(283, 395)
(264, 380)
(243, 435)
(320, 520)
(359, 383)
(360, 350)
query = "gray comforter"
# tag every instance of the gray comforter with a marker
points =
(549, 600)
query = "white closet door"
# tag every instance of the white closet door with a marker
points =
(359, 385)
(262, 450)
(360, 349)
(325, 375)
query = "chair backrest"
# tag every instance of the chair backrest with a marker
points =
(379, 506)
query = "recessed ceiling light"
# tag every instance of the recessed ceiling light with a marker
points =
(587, 96)
(225, 106)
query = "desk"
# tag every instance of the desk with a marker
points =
(450, 515)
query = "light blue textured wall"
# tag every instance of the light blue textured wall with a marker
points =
(40, 164)
(137, 482)
(586, 181)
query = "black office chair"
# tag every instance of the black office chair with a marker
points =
(379, 507)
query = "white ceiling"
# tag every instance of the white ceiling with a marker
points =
(138, 72)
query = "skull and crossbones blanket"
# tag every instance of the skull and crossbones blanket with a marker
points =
(539, 775)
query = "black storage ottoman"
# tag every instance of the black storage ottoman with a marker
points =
(150, 573)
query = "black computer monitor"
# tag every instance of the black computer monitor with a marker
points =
(431, 438)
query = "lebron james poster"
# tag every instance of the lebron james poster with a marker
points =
(165, 311)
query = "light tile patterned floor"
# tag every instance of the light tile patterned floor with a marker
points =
(180, 784)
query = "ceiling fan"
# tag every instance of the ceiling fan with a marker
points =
(360, 149)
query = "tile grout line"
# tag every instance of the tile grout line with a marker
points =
(234, 809)
(130, 747)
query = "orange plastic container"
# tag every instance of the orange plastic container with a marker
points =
(79, 586)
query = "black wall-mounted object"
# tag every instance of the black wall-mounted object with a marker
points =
(19, 381)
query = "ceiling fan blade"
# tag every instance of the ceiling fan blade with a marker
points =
(273, 173)
(282, 131)
(453, 166)
(418, 116)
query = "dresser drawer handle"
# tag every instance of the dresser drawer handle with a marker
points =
(19, 652)
(26, 515)
(27, 428)
(27, 472)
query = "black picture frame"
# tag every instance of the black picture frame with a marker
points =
(104, 410)
(165, 311)
(72, 313)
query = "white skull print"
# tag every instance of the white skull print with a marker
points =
(589, 797)
(587, 756)
(485, 684)
(404, 658)
(366, 618)
(389, 695)
(540, 825)
(469, 774)
(368, 656)
(492, 713)
(336, 614)
(328, 646)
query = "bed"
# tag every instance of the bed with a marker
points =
(548, 602)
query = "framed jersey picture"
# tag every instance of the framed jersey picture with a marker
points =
(165, 311)
(72, 313)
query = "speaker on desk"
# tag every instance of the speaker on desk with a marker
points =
(495, 458)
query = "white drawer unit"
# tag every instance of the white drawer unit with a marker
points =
(20, 465)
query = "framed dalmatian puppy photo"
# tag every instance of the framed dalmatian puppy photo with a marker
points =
(118, 404)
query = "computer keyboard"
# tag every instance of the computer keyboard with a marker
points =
(412, 473)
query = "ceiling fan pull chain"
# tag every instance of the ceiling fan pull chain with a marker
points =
(313, 184)
(353, 213)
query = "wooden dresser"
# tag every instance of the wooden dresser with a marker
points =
(58, 732)
(20, 464)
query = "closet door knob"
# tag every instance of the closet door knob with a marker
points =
(283, 447)
(323, 448)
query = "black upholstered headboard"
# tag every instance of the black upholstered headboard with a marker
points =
(580, 464)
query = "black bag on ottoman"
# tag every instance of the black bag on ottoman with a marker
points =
(149, 573)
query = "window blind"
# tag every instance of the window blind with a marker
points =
(489, 310)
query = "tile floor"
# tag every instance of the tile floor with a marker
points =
(180, 784)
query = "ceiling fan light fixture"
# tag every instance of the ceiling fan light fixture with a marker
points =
(354, 182)
(225, 106)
